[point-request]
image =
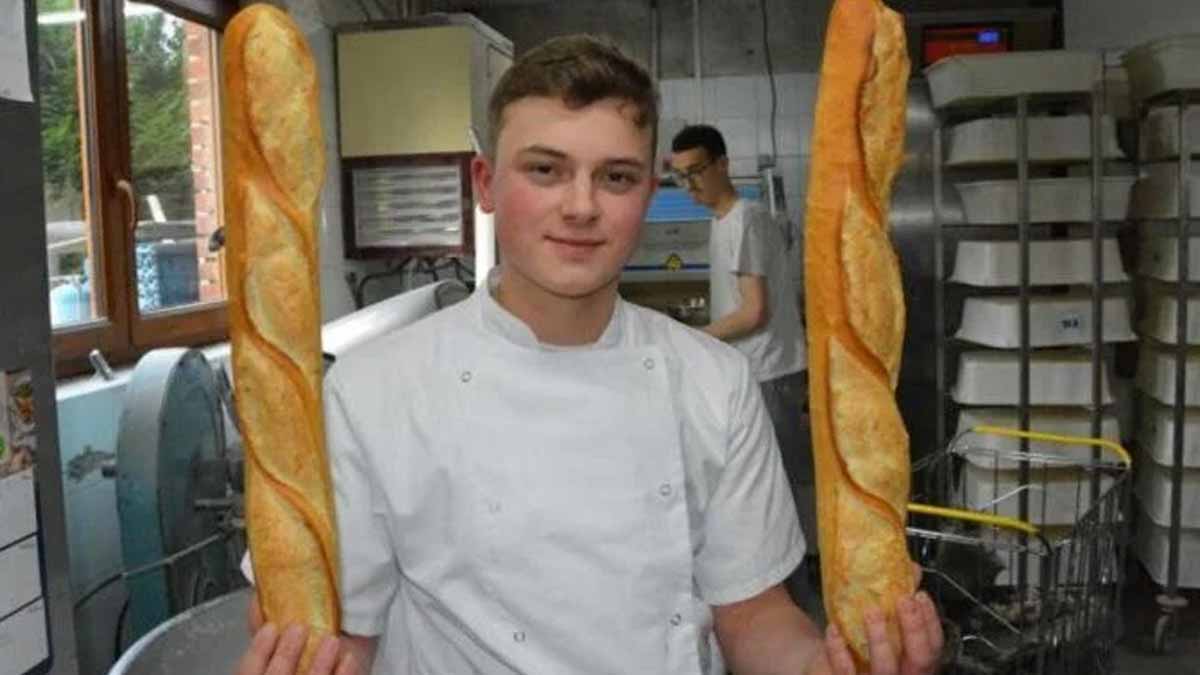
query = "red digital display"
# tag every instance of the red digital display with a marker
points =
(940, 42)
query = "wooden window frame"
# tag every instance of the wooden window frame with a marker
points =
(123, 334)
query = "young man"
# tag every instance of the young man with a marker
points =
(546, 479)
(756, 307)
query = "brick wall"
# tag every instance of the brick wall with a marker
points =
(202, 90)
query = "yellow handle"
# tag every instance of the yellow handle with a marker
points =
(1057, 438)
(974, 517)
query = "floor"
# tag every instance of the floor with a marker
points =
(1134, 652)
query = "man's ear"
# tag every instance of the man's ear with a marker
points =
(482, 173)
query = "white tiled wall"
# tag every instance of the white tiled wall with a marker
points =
(741, 108)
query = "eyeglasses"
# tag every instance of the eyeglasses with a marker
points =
(688, 177)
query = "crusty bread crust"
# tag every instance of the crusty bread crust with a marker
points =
(273, 168)
(856, 318)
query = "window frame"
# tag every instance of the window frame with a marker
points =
(123, 334)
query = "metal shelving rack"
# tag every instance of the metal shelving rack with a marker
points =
(1170, 601)
(1023, 107)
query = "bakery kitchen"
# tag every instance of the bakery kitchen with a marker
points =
(436, 336)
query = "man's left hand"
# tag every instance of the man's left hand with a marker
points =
(921, 638)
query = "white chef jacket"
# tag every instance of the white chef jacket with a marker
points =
(510, 507)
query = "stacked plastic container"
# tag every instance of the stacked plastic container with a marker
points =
(1166, 87)
(1028, 207)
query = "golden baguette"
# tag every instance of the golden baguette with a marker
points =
(274, 165)
(855, 318)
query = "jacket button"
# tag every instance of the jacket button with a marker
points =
(649, 364)
(676, 620)
(465, 376)
(519, 636)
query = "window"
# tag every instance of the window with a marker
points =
(129, 96)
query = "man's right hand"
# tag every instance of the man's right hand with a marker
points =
(275, 653)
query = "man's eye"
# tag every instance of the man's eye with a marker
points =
(620, 179)
(542, 171)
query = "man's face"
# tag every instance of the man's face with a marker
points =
(700, 174)
(569, 189)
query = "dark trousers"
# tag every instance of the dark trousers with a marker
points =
(786, 399)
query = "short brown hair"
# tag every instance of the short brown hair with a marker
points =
(580, 70)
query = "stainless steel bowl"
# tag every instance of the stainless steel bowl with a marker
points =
(206, 639)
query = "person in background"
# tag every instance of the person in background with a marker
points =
(545, 478)
(755, 305)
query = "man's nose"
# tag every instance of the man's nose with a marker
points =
(579, 204)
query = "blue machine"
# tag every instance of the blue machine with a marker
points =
(170, 466)
(674, 245)
(674, 205)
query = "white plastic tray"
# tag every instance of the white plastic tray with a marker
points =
(1051, 139)
(977, 78)
(997, 263)
(1056, 496)
(1115, 89)
(1159, 139)
(1051, 200)
(1163, 65)
(1161, 317)
(1156, 434)
(1053, 321)
(1159, 258)
(1153, 547)
(1156, 194)
(1061, 377)
(1154, 490)
(1061, 422)
(1156, 374)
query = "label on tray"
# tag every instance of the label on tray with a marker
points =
(1070, 325)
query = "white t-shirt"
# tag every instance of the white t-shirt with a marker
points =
(507, 507)
(748, 241)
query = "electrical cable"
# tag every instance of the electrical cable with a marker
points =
(771, 79)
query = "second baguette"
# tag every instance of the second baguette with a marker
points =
(856, 319)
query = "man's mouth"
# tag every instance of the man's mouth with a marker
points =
(574, 242)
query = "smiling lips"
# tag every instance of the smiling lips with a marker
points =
(575, 245)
